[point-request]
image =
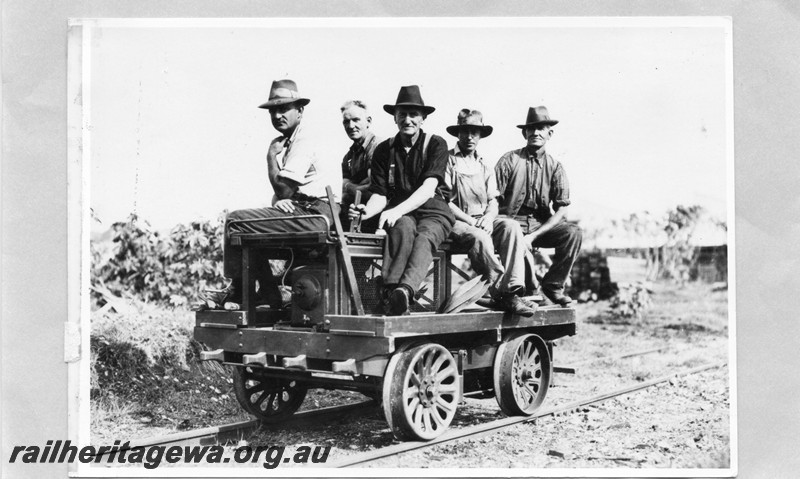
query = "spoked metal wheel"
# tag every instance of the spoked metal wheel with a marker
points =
(521, 374)
(420, 392)
(269, 399)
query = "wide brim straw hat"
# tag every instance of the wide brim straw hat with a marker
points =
(470, 118)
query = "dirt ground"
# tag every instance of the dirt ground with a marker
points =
(681, 425)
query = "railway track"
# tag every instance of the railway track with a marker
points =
(235, 432)
(238, 431)
(490, 427)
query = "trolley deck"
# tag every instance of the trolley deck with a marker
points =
(419, 365)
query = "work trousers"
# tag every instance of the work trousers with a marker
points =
(566, 238)
(506, 274)
(411, 242)
(304, 218)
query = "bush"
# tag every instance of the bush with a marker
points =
(631, 301)
(169, 270)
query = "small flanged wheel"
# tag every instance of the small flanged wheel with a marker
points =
(268, 398)
(420, 392)
(521, 374)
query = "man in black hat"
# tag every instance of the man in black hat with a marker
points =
(534, 191)
(299, 193)
(473, 201)
(409, 193)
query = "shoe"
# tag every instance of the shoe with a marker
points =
(557, 297)
(382, 308)
(488, 303)
(530, 303)
(490, 300)
(516, 305)
(216, 298)
(202, 305)
(398, 302)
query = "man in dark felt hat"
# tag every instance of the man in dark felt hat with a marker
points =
(409, 192)
(473, 200)
(358, 159)
(299, 193)
(534, 191)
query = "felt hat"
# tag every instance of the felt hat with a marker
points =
(409, 96)
(538, 116)
(470, 118)
(283, 92)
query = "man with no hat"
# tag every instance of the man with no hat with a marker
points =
(409, 192)
(473, 200)
(535, 192)
(356, 163)
(299, 202)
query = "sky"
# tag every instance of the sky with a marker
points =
(175, 135)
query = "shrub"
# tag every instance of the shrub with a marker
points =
(170, 270)
(631, 301)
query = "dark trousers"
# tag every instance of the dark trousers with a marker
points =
(566, 238)
(271, 220)
(411, 242)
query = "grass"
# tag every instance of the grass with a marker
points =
(145, 371)
(109, 409)
(131, 328)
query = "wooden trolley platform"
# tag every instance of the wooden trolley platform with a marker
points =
(419, 365)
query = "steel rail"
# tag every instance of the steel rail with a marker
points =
(621, 356)
(483, 429)
(571, 368)
(238, 430)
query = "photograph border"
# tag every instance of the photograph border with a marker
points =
(79, 259)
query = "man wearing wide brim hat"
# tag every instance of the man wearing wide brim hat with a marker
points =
(299, 194)
(409, 96)
(473, 201)
(535, 192)
(284, 92)
(409, 192)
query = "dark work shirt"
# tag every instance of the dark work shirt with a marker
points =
(356, 162)
(530, 184)
(409, 170)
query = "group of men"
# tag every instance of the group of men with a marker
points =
(420, 193)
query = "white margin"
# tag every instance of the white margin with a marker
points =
(79, 222)
(731, 221)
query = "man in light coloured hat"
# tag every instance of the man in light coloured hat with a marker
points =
(299, 195)
(473, 200)
(410, 194)
(535, 192)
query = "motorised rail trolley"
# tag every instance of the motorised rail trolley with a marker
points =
(419, 366)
